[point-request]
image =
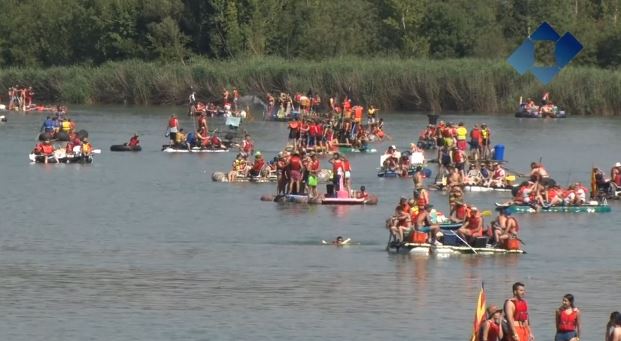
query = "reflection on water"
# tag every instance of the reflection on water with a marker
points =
(143, 246)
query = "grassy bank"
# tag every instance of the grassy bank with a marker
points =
(462, 85)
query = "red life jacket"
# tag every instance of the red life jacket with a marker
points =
(457, 157)
(258, 164)
(336, 165)
(521, 310)
(567, 323)
(314, 165)
(172, 122)
(346, 166)
(493, 330)
(295, 163)
(47, 149)
(473, 223)
(247, 148)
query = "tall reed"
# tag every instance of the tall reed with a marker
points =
(472, 85)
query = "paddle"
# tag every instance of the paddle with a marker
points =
(465, 242)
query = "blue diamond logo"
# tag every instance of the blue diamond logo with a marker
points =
(566, 48)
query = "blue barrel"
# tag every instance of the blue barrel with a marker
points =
(499, 152)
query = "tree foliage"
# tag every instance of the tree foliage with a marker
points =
(66, 32)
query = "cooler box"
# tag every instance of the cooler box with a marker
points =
(451, 240)
(418, 237)
(480, 242)
(499, 152)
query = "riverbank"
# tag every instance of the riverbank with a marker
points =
(474, 85)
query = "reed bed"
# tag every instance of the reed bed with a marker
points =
(470, 85)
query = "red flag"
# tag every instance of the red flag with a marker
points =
(479, 314)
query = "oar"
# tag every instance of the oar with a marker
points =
(465, 242)
(96, 151)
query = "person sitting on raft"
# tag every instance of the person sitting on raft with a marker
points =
(180, 139)
(459, 212)
(46, 149)
(473, 226)
(423, 220)
(238, 168)
(257, 165)
(473, 177)
(134, 141)
(87, 148)
(498, 177)
(504, 227)
(400, 221)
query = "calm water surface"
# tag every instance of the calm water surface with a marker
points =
(144, 246)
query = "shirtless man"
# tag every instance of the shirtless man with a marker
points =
(424, 220)
(454, 178)
(505, 226)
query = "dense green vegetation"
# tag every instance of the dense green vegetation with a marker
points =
(406, 51)
(415, 84)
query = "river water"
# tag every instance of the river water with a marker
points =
(144, 246)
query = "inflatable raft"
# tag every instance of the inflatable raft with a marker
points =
(320, 200)
(177, 149)
(60, 159)
(450, 244)
(592, 207)
(535, 114)
(125, 148)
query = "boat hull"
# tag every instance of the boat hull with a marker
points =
(428, 250)
(560, 209)
(66, 159)
(168, 149)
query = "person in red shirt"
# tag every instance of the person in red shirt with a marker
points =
(473, 225)
(337, 170)
(173, 129)
(295, 173)
(491, 329)
(516, 312)
(567, 320)
(257, 166)
(134, 141)
(247, 146)
(475, 142)
(347, 173)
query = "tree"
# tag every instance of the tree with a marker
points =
(167, 42)
(402, 21)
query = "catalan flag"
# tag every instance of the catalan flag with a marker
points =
(479, 314)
